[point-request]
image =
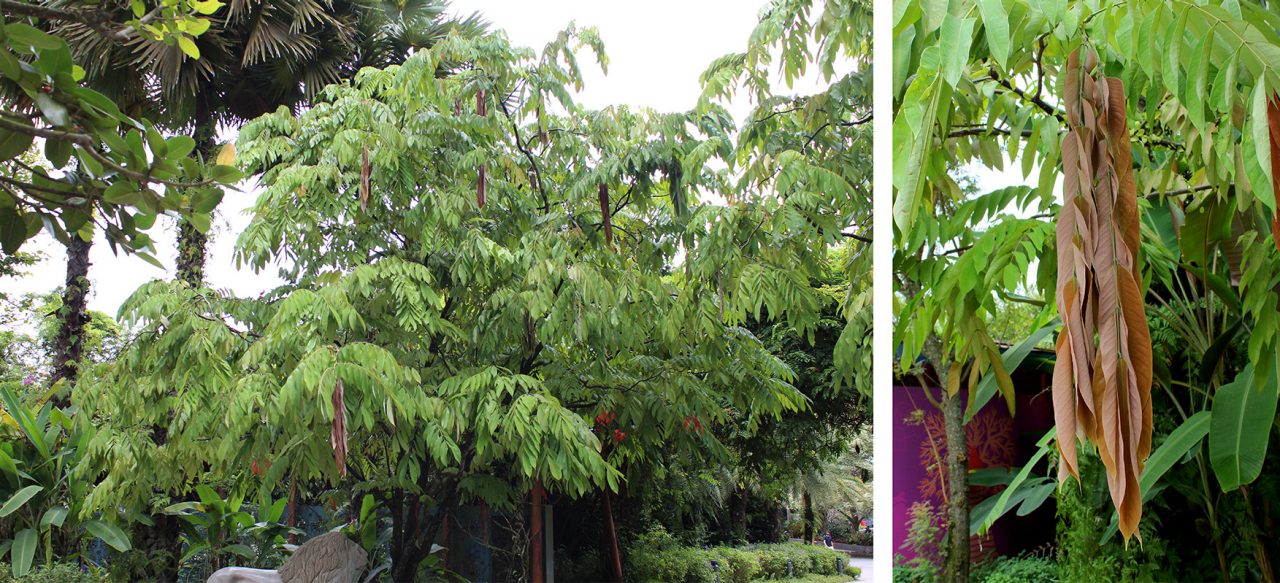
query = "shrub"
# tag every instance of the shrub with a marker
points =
(675, 564)
(822, 560)
(773, 562)
(1020, 569)
(904, 572)
(656, 556)
(861, 539)
(737, 566)
(923, 536)
(56, 573)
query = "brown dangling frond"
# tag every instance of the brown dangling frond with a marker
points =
(1102, 378)
(364, 180)
(482, 111)
(605, 217)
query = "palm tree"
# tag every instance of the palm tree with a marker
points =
(257, 56)
(843, 485)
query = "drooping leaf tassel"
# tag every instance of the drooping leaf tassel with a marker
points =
(605, 218)
(1103, 374)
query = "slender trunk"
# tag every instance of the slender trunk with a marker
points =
(611, 539)
(808, 516)
(535, 535)
(738, 514)
(68, 345)
(419, 532)
(292, 521)
(956, 549)
(191, 242)
(958, 482)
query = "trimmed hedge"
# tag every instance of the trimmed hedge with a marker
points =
(56, 573)
(678, 564)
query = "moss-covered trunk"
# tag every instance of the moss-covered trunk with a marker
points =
(192, 242)
(73, 316)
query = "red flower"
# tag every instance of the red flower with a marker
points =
(619, 435)
(259, 470)
(694, 421)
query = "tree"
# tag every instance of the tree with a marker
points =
(1174, 118)
(253, 58)
(457, 345)
(811, 149)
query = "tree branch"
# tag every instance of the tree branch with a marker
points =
(94, 19)
(856, 237)
(88, 143)
(1033, 99)
(520, 145)
(1179, 192)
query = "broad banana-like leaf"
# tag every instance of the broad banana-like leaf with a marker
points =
(1243, 412)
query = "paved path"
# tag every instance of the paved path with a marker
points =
(863, 563)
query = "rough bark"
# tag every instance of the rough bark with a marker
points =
(191, 253)
(68, 345)
(192, 244)
(957, 550)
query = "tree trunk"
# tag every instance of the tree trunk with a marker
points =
(191, 242)
(808, 516)
(774, 518)
(738, 514)
(957, 551)
(191, 253)
(956, 547)
(611, 539)
(535, 535)
(68, 345)
(415, 530)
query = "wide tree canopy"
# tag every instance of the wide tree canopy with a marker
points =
(490, 288)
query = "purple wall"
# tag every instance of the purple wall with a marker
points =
(995, 440)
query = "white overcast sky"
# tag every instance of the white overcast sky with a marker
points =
(656, 50)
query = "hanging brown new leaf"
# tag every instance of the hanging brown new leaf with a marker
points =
(1273, 132)
(482, 111)
(1102, 378)
(364, 180)
(338, 435)
(605, 216)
